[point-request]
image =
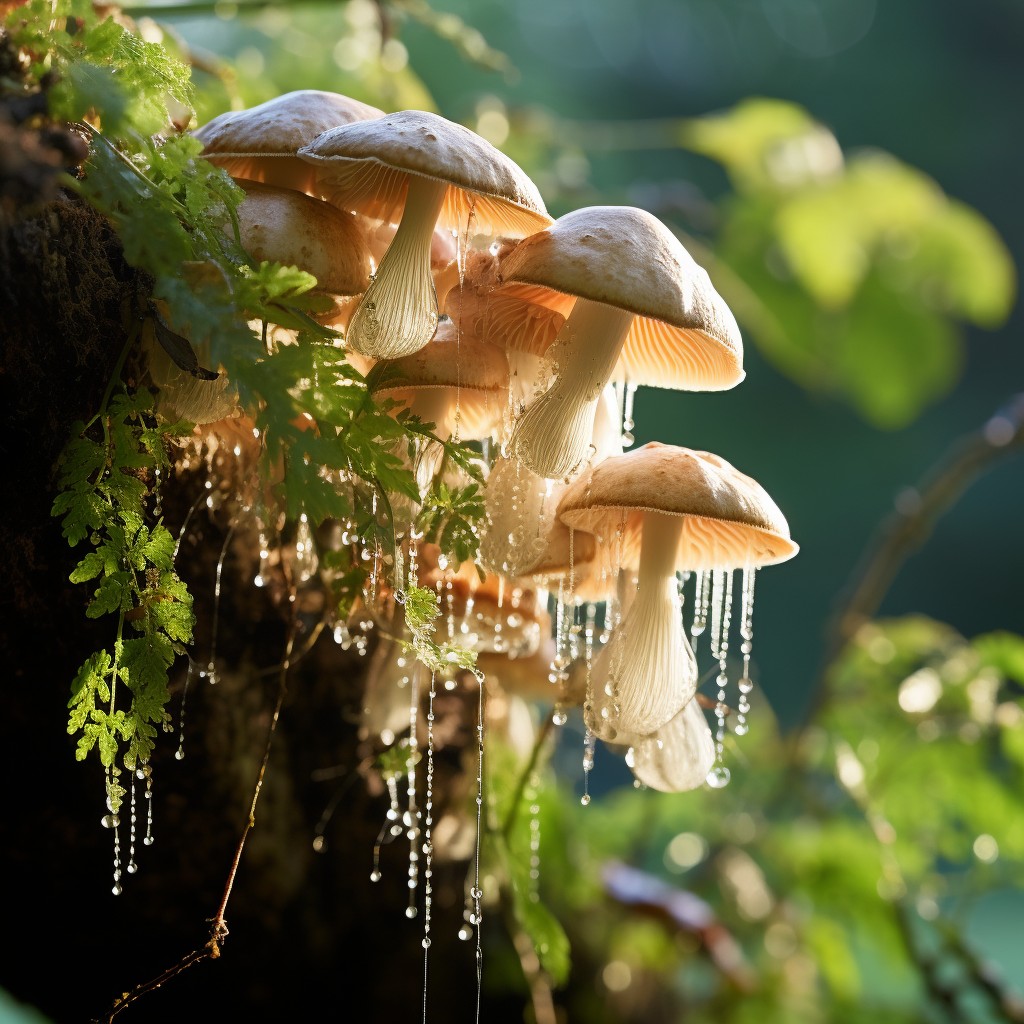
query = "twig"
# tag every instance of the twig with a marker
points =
(517, 795)
(910, 526)
(218, 923)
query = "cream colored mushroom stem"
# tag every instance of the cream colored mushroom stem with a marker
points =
(647, 673)
(553, 437)
(398, 313)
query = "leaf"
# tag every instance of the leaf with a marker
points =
(113, 594)
(88, 568)
(1004, 651)
(749, 139)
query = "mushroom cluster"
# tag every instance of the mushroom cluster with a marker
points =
(472, 310)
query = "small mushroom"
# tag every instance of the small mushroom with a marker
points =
(511, 318)
(426, 172)
(684, 510)
(639, 309)
(284, 226)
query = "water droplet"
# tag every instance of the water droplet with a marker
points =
(585, 799)
(746, 685)
(740, 729)
(374, 875)
(718, 777)
(147, 841)
(476, 893)
(465, 933)
(116, 890)
(132, 867)
(559, 717)
(110, 821)
(426, 942)
(410, 912)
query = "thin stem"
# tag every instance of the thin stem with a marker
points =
(910, 526)
(218, 926)
(531, 764)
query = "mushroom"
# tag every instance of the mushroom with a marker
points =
(678, 756)
(455, 383)
(425, 171)
(284, 226)
(684, 510)
(639, 309)
(521, 504)
(261, 143)
(512, 319)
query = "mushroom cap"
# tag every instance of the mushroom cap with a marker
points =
(472, 375)
(365, 166)
(683, 335)
(284, 226)
(261, 143)
(506, 318)
(729, 519)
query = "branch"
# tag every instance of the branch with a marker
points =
(910, 525)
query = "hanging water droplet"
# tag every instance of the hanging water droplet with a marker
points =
(374, 875)
(559, 717)
(426, 942)
(116, 890)
(585, 799)
(740, 729)
(746, 685)
(411, 912)
(718, 777)
(147, 841)
(132, 867)
(465, 933)
(110, 821)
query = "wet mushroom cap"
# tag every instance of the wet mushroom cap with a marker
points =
(261, 143)
(470, 377)
(284, 226)
(729, 520)
(683, 335)
(508, 318)
(365, 166)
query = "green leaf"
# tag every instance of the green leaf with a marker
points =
(113, 594)
(88, 568)
(1004, 651)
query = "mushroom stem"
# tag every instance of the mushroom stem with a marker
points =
(554, 435)
(679, 755)
(398, 313)
(647, 673)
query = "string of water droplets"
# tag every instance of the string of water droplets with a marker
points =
(210, 672)
(476, 893)
(745, 684)
(428, 849)
(721, 617)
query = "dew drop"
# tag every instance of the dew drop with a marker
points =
(718, 777)
(426, 942)
(585, 799)
(116, 890)
(410, 912)
(374, 875)
(147, 841)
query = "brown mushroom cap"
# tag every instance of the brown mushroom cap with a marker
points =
(683, 335)
(284, 226)
(729, 519)
(365, 167)
(472, 375)
(261, 143)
